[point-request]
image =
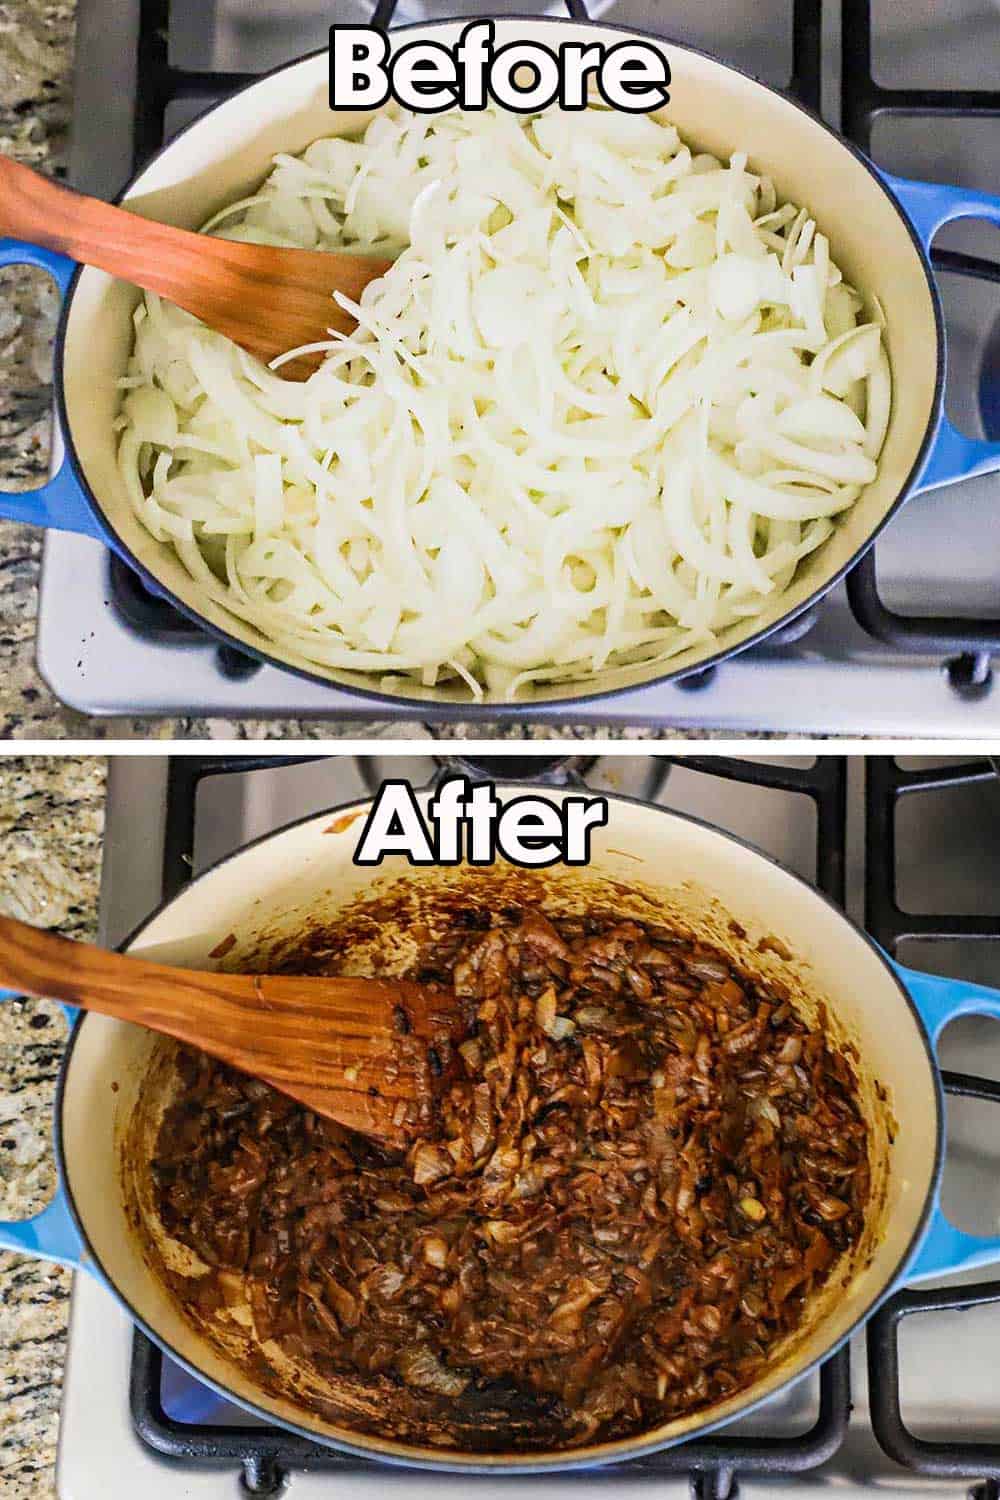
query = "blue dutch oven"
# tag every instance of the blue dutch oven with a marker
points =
(677, 869)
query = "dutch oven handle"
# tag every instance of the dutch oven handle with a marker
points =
(929, 205)
(946, 1248)
(60, 502)
(51, 1234)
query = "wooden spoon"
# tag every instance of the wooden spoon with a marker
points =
(266, 299)
(365, 1052)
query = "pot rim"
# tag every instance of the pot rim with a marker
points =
(621, 1450)
(485, 710)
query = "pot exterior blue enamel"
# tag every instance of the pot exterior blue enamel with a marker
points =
(50, 1234)
(62, 503)
(945, 1248)
(929, 206)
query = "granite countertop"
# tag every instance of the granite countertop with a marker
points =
(36, 47)
(51, 826)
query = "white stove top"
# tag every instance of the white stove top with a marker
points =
(941, 554)
(947, 844)
(101, 1458)
(836, 681)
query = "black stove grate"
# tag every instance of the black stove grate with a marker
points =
(887, 784)
(266, 1456)
(964, 644)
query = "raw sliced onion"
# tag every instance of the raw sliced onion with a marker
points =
(607, 398)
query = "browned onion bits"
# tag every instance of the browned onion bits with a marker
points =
(646, 1166)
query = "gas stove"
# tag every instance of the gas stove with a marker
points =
(910, 848)
(904, 649)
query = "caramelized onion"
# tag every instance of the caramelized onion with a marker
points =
(640, 1172)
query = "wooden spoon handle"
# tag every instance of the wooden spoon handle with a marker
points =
(195, 1004)
(176, 263)
(340, 1045)
(238, 1017)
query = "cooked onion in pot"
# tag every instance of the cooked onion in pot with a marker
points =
(609, 1228)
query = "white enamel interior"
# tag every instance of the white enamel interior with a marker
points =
(647, 861)
(225, 156)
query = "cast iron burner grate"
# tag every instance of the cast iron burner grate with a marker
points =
(266, 1456)
(886, 785)
(966, 645)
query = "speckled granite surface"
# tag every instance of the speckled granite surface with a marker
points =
(36, 43)
(51, 826)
